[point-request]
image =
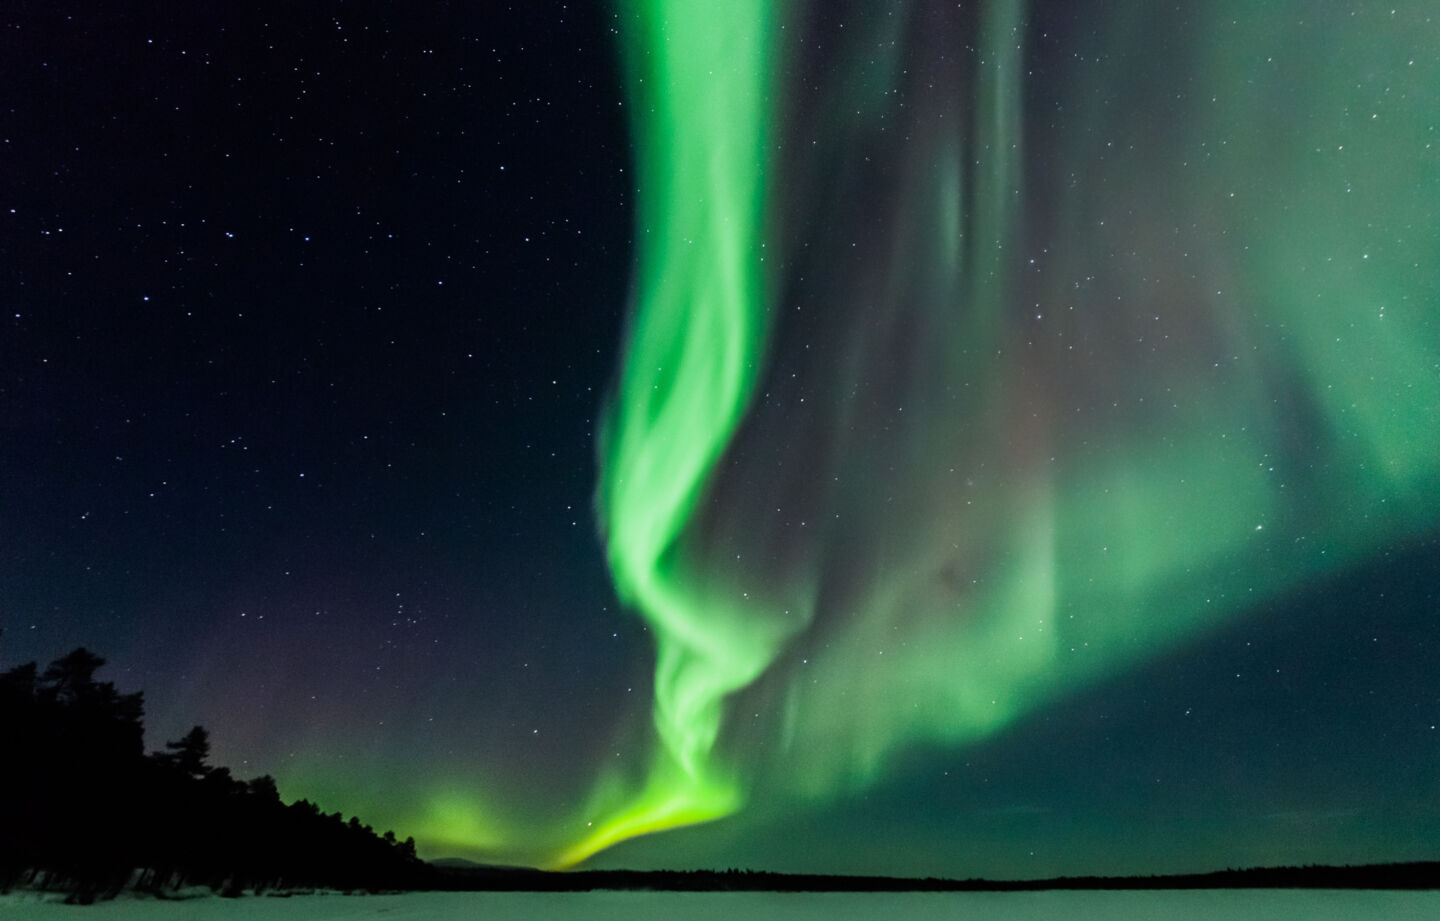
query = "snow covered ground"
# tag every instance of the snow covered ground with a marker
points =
(1271, 905)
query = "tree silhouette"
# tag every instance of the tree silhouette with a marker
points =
(188, 754)
(84, 809)
(72, 677)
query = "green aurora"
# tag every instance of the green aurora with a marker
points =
(1028, 524)
(953, 385)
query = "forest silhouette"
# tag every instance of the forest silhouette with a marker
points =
(85, 810)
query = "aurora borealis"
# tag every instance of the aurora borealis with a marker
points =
(986, 439)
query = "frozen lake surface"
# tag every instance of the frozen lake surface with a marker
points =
(1183, 905)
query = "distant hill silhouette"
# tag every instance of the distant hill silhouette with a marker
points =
(452, 875)
(456, 863)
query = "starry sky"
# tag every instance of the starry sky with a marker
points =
(971, 439)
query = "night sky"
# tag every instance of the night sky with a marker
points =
(912, 438)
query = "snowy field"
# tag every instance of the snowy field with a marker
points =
(1271, 905)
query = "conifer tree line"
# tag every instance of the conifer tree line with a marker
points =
(84, 808)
